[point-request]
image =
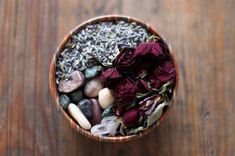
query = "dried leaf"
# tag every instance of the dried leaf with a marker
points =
(152, 38)
(122, 130)
(152, 118)
(140, 95)
(136, 130)
(165, 87)
(122, 126)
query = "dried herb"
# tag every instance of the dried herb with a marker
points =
(152, 118)
(136, 130)
(98, 41)
(141, 95)
(165, 87)
(153, 38)
(141, 74)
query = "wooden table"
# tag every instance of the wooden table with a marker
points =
(202, 34)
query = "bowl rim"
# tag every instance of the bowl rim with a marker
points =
(55, 94)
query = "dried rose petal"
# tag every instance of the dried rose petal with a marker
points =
(131, 118)
(123, 61)
(165, 72)
(110, 77)
(147, 56)
(151, 49)
(125, 92)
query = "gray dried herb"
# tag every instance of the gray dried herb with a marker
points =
(152, 118)
(97, 43)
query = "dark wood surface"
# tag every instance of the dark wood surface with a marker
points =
(202, 34)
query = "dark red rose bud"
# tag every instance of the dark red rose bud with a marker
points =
(110, 77)
(150, 48)
(125, 92)
(163, 73)
(131, 118)
(124, 61)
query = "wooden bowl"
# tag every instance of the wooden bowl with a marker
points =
(55, 94)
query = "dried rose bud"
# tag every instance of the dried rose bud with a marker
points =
(123, 60)
(125, 92)
(131, 118)
(110, 77)
(163, 73)
(150, 48)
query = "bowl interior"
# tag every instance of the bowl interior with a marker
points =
(55, 93)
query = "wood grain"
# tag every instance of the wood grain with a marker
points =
(201, 33)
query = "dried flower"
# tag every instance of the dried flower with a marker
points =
(151, 49)
(123, 61)
(125, 92)
(163, 73)
(131, 118)
(146, 57)
(110, 77)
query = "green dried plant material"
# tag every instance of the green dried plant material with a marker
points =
(162, 90)
(122, 126)
(153, 38)
(136, 130)
(122, 130)
(165, 87)
(152, 118)
(107, 65)
(100, 68)
(140, 95)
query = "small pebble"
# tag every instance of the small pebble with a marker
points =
(76, 96)
(91, 72)
(108, 119)
(92, 87)
(64, 101)
(113, 128)
(105, 98)
(76, 113)
(86, 107)
(100, 129)
(96, 110)
(108, 125)
(108, 111)
(77, 80)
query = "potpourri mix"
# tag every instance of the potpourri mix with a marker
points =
(115, 78)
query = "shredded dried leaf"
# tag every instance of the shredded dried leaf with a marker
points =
(152, 118)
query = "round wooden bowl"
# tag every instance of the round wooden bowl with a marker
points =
(55, 94)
